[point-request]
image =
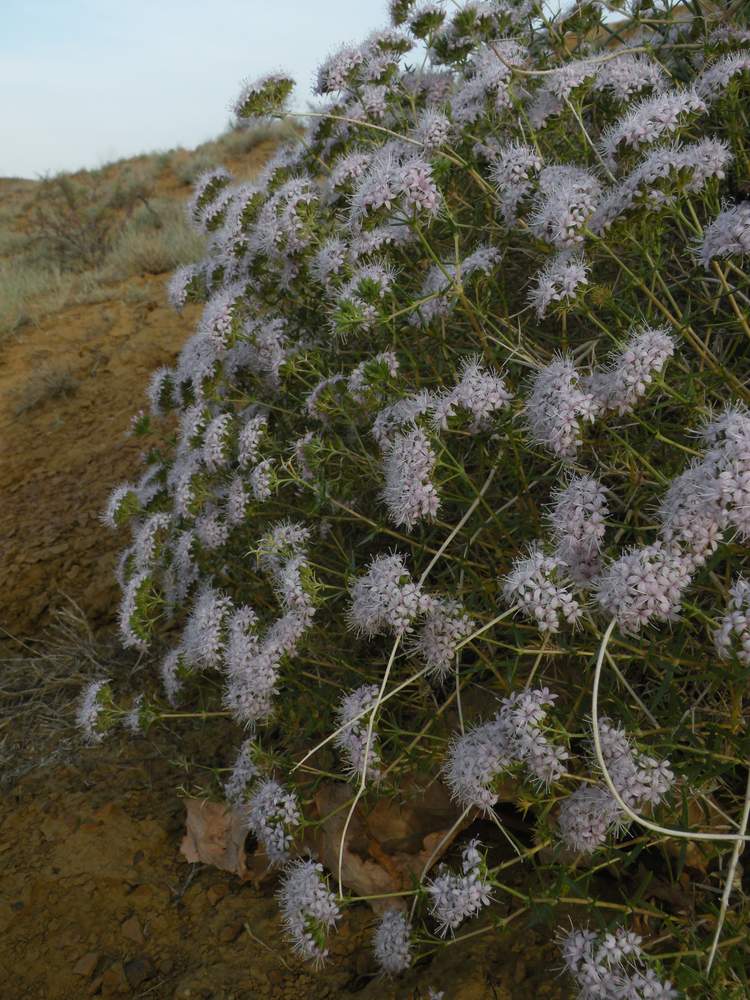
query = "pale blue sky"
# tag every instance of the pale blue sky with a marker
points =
(87, 81)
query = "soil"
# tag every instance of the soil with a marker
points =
(95, 899)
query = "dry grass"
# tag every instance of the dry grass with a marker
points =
(45, 384)
(155, 240)
(40, 688)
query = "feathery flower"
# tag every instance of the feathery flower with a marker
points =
(262, 97)
(539, 585)
(566, 201)
(392, 944)
(645, 585)
(628, 75)
(409, 492)
(559, 279)
(626, 377)
(512, 169)
(445, 625)
(385, 598)
(94, 701)
(454, 897)
(203, 637)
(650, 120)
(556, 406)
(352, 739)
(272, 816)
(514, 736)
(611, 965)
(716, 78)
(244, 771)
(308, 909)
(733, 633)
(578, 524)
(727, 235)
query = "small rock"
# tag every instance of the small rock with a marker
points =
(86, 964)
(216, 892)
(230, 933)
(138, 970)
(114, 981)
(94, 986)
(132, 929)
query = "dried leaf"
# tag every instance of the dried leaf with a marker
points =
(215, 835)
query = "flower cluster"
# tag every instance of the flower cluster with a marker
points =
(590, 814)
(308, 909)
(391, 943)
(611, 965)
(455, 897)
(515, 736)
(353, 718)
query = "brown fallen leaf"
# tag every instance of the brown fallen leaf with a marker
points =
(387, 844)
(215, 835)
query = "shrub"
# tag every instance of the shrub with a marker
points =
(157, 238)
(465, 422)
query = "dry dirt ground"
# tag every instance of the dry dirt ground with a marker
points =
(95, 899)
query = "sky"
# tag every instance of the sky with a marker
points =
(85, 82)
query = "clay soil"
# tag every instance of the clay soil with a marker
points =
(95, 898)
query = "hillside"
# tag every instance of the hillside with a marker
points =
(70, 339)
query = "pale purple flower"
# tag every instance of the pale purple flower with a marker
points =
(513, 168)
(272, 815)
(645, 585)
(244, 772)
(206, 187)
(479, 391)
(566, 201)
(358, 383)
(160, 388)
(455, 897)
(261, 480)
(211, 530)
(650, 120)
(514, 736)
(216, 439)
(690, 513)
(445, 625)
(733, 634)
(264, 96)
(627, 75)
(203, 638)
(587, 817)
(352, 739)
(392, 943)
(328, 261)
(557, 87)
(179, 285)
(539, 586)
(557, 406)
(385, 598)
(409, 492)
(433, 129)
(249, 439)
(338, 70)
(610, 966)
(128, 611)
(578, 523)
(716, 78)
(627, 375)
(169, 671)
(402, 413)
(727, 235)
(308, 908)
(237, 501)
(560, 278)
(89, 715)
(120, 499)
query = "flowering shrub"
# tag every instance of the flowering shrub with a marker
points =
(465, 420)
